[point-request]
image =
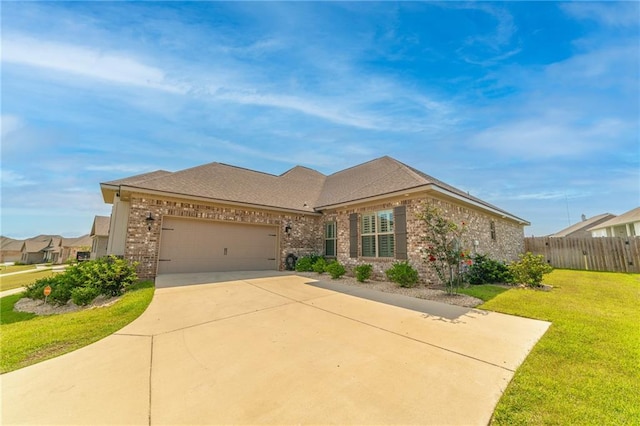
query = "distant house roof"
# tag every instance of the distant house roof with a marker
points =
(82, 241)
(300, 189)
(629, 217)
(31, 246)
(12, 245)
(100, 227)
(583, 226)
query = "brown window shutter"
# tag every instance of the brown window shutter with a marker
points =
(353, 235)
(400, 224)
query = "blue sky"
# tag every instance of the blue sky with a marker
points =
(533, 107)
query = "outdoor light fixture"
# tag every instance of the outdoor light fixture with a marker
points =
(149, 219)
(287, 228)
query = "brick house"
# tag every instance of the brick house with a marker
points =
(218, 217)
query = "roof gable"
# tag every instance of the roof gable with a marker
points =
(100, 227)
(584, 225)
(31, 246)
(628, 217)
(296, 189)
(377, 177)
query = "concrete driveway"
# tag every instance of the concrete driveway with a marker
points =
(256, 349)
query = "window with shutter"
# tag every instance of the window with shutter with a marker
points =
(330, 239)
(377, 234)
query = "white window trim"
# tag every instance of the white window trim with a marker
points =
(377, 233)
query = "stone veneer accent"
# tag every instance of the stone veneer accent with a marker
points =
(509, 242)
(307, 230)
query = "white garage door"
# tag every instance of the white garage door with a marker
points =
(204, 246)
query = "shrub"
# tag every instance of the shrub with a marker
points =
(305, 263)
(84, 295)
(335, 269)
(109, 276)
(320, 265)
(530, 269)
(484, 270)
(363, 272)
(403, 274)
(35, 289)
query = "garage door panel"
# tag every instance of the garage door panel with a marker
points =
(203, 246)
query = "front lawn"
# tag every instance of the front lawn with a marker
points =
(484, 292)
(586, 368)
(22, 280)
(15, 268)
(32, 339)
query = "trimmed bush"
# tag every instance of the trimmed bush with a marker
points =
(82, 296)
(530, 269)
(363, 272)
(484, 270)
(403, 274)
(305, 263)
(109, 276)
(335, 269)
(320, 265)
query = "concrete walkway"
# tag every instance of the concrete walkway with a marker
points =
(39, 268)
(275, 350)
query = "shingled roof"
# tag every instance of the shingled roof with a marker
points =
(582, 227)
(100, 226)
(627, 217)
(300, 188)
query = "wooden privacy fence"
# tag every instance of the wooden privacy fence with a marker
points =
(613, 254)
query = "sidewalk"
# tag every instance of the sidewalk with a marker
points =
(55, 268)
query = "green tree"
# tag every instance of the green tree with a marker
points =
(444, 250)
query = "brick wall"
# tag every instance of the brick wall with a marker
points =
(307, 231)
(508, 243)
(142, 244)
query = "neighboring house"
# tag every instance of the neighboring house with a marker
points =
(33, 250)
(581, 229)
(10, 250)
(99, 236)
(625, 225)
(218, 217)
(52, 251)
(52, 248)
(69, 247)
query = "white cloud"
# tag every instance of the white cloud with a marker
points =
(10, 123)
(12, 179)
(87, 62)
(546, 138)
(330, 113)
(613, 14)
(120, 168)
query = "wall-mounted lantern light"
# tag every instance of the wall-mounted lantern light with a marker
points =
(287, 229)
(149, 219)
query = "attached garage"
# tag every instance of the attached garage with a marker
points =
(191, 245)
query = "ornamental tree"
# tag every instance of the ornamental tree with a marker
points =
(444, 250)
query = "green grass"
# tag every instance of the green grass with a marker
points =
(15, 268)
(33, 340)
(586, 369)
(21, 280)
(8, 315)
(483, 292)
